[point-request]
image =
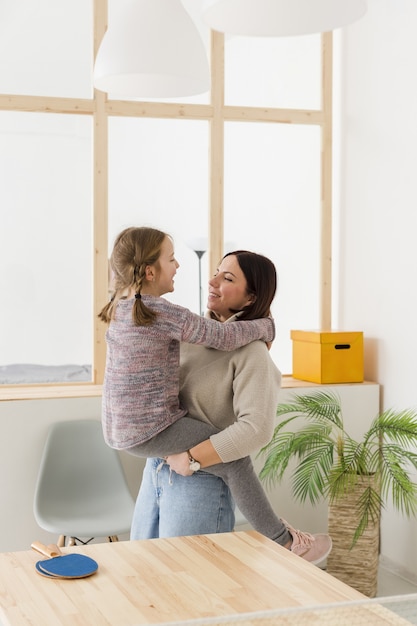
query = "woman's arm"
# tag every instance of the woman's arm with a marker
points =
(204, 453)
(256, 386)
(254, 391)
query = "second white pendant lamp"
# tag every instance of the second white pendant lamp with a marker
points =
(280, 17)
(151, 49)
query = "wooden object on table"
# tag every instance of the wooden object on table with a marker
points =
(166, 580)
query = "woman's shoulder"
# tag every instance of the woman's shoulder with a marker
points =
(258, 347)
(257, 353)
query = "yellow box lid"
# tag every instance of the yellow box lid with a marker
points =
(325, 336)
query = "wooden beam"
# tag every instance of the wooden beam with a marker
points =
(216, 163)
(128, 108)
(278, 116)
(326, 182)
(44, 104)
(100, 208)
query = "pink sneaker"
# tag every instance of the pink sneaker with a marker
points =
(312, 548)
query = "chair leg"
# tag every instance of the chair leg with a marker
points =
(61, 541)
(71, 541)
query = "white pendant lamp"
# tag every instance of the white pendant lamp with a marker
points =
(272, 18)
(151, 49)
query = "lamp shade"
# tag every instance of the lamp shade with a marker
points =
(270, 18)
(153, 49)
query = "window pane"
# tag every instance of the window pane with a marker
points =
(272, 206)
(46, 48)
(158, 176)
(283, 72)
(45, 243)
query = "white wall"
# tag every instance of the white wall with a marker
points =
(378, 216)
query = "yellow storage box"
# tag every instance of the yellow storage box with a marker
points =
(327, 356)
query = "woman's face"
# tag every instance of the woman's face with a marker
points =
(228, 289)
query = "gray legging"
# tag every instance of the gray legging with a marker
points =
(239, 475)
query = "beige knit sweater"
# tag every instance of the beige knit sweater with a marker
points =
(234, 391)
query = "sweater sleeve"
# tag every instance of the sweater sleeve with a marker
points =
(202, 330)
(256, 388)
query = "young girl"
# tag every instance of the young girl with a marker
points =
(141, 409)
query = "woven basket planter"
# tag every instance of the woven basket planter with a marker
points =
(357, 566)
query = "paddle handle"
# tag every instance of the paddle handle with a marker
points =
(50, 550)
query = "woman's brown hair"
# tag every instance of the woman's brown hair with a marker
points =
(261, 279)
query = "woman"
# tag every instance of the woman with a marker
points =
(236, 393)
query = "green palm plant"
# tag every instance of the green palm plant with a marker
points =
(331, 463)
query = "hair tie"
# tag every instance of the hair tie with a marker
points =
(138, 296)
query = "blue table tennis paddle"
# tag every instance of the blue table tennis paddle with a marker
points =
(60, 565)
(41, 572)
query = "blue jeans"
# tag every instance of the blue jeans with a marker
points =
(173, 505)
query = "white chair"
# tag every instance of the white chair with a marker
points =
(81, 489)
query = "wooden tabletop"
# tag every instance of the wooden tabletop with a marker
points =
(166, 580)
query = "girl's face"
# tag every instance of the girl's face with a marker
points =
(228, 289)
(161, 275)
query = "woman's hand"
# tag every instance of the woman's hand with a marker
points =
(180, 463)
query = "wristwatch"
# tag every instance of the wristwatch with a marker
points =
(194, 465)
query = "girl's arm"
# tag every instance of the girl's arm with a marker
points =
(202, 330)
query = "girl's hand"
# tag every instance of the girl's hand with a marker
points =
(179, 463)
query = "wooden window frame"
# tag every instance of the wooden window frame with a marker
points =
(216, 113)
